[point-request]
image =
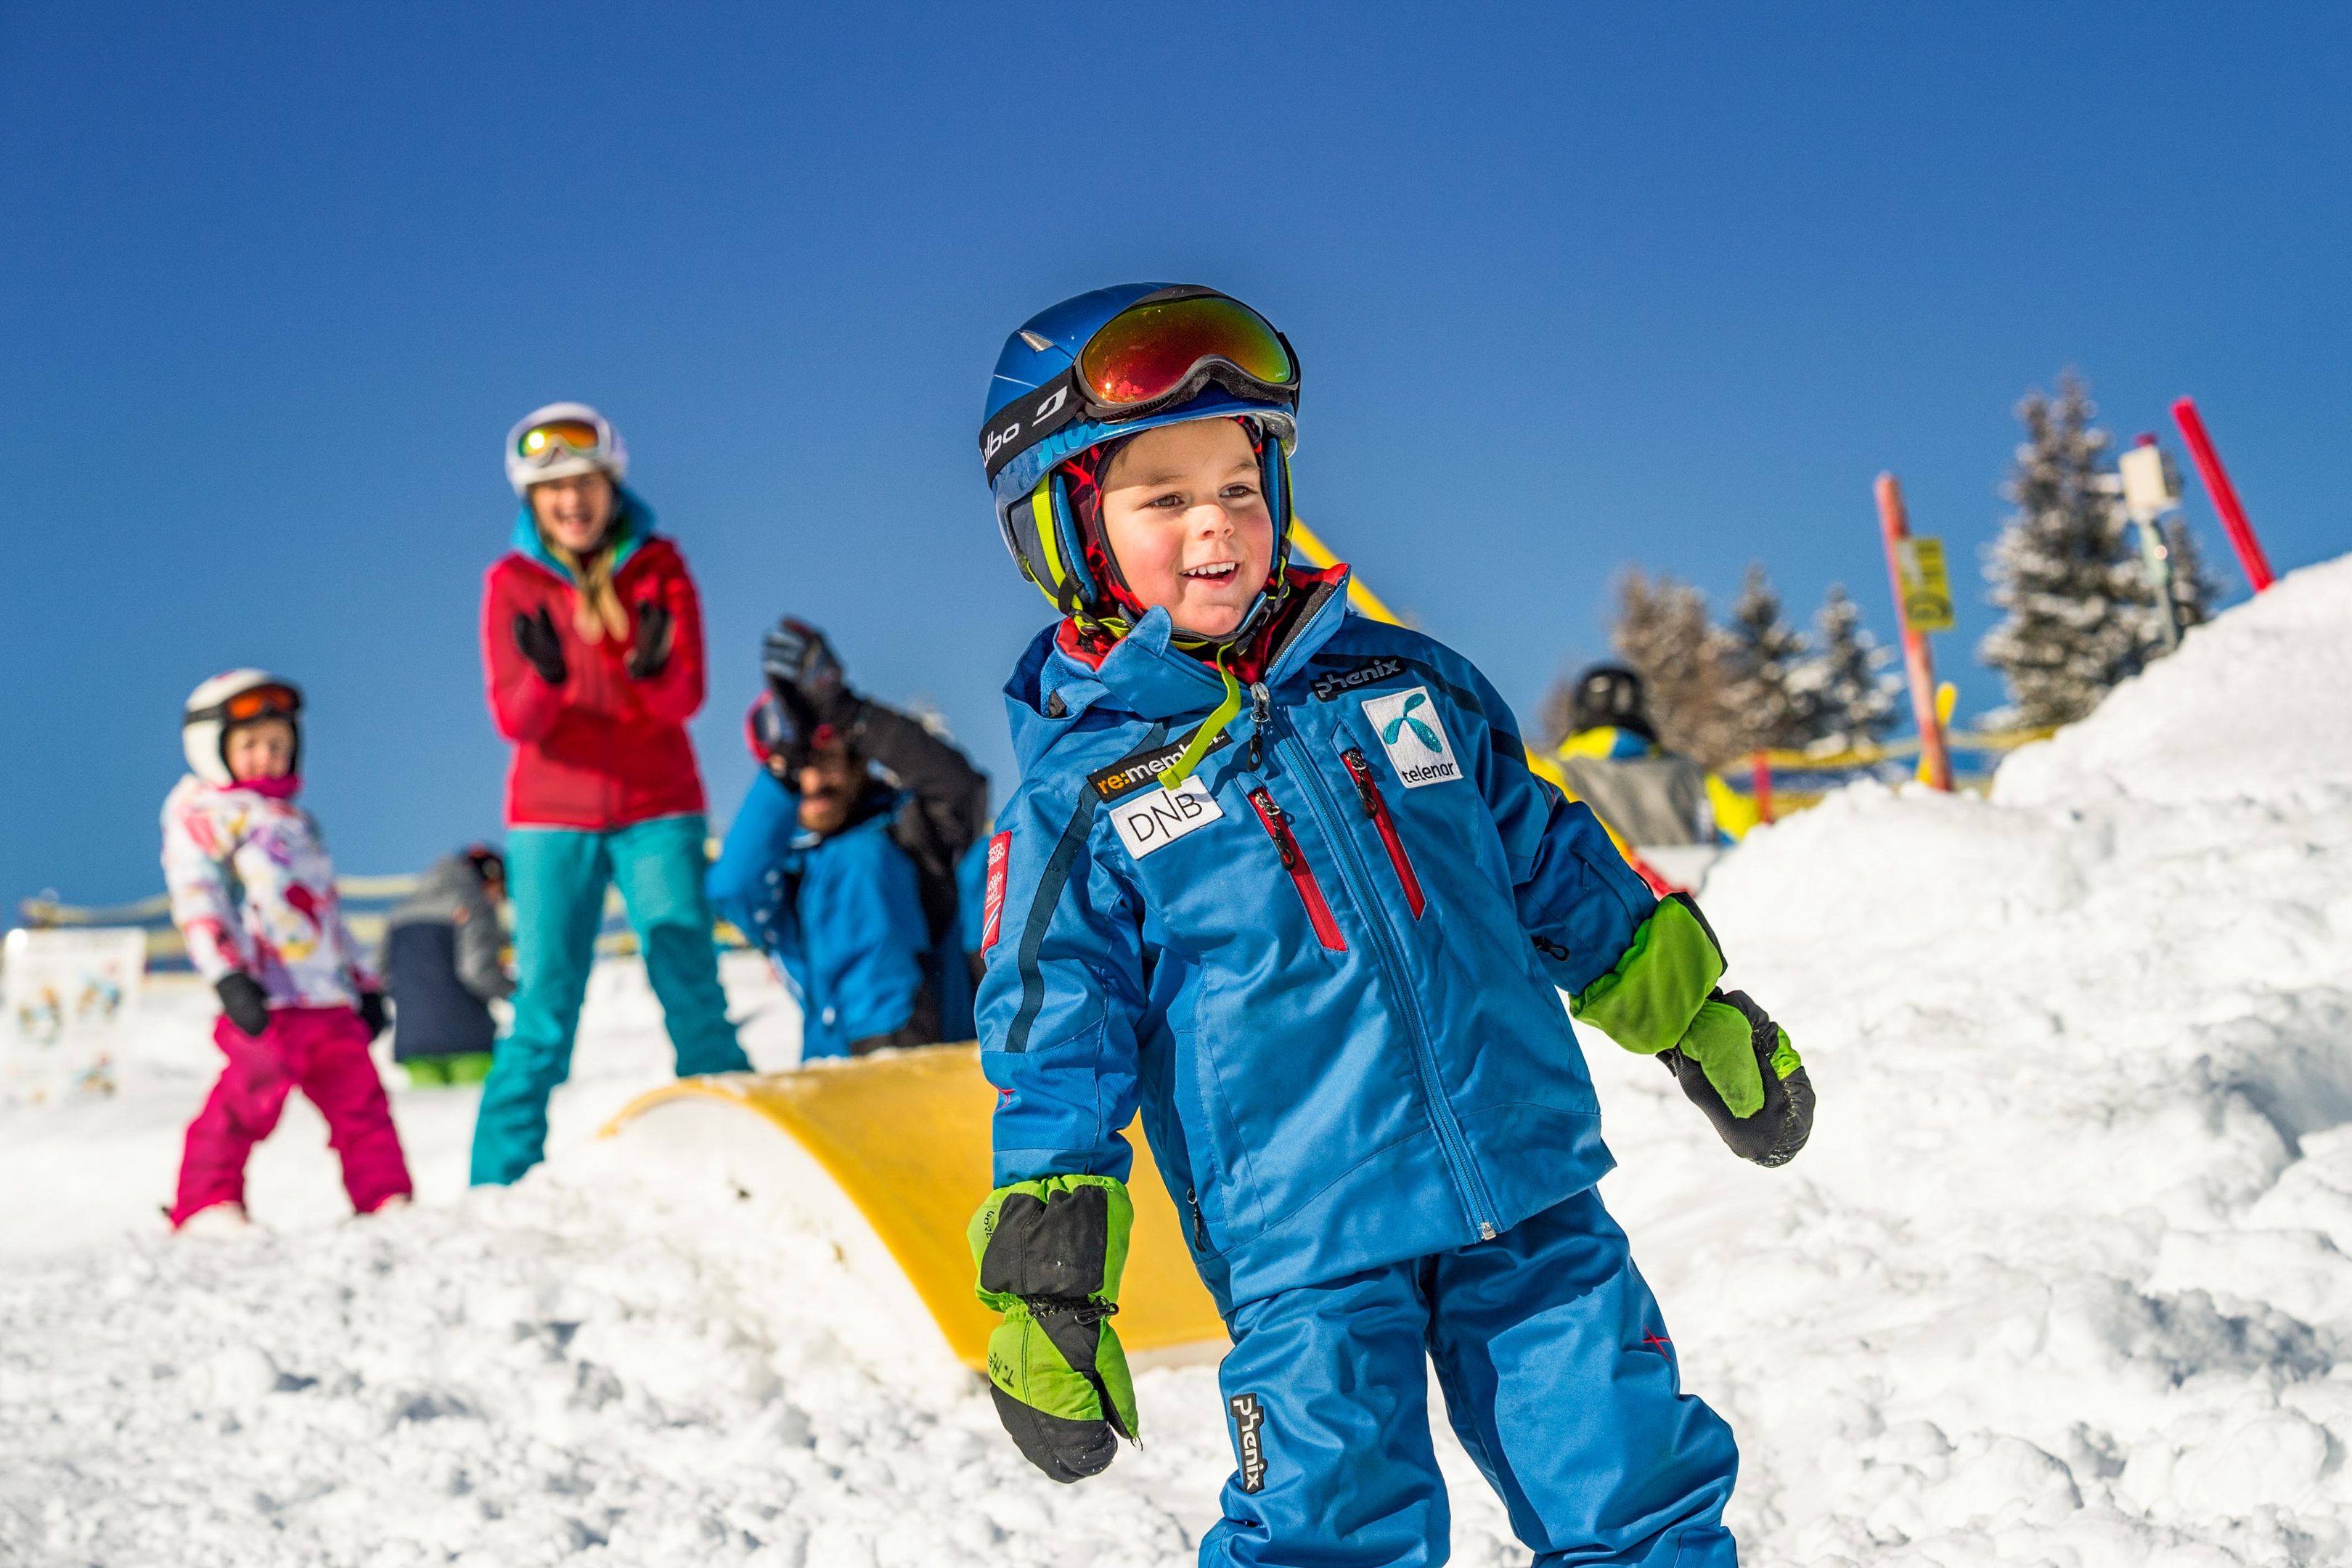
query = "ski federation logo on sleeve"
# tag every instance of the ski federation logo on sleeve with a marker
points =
(1000, 861)
(1414, 737)
(1249, 1429)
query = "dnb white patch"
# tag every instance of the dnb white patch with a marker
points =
(1414, 737)
(1152, 819)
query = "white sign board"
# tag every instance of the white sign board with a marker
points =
(71, 996)
(2150, 486)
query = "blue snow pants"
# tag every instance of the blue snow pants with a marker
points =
(1558, 1378)
(557, 876)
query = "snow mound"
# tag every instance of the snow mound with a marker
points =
(2063, 1277)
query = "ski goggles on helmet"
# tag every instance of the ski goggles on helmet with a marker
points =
(1157, 354)
(544, 444)
(275, 701)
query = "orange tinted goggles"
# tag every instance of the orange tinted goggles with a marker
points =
(543, 442)
(262, 702)
(1154, 349)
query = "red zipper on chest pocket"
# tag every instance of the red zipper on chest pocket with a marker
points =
(1302, 875)
(1368, 790)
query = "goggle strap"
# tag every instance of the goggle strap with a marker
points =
(1022, 423)
(219, 713)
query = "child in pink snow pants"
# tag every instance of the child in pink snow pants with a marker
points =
(252, 892)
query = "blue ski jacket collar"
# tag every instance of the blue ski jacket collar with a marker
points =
(1146, 676)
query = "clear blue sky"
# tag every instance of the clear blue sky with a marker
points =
(1573, 287)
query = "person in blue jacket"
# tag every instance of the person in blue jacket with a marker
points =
(1279, 877)
(848, 879)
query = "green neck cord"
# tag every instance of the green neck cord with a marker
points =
(1211, 728)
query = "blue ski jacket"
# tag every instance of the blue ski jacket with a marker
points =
(841, 912)
(1324, 967)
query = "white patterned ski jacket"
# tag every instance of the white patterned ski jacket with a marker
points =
(253, 890)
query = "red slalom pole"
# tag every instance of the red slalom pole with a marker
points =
(2224, 494)
(1918, 664)
(1761, 781)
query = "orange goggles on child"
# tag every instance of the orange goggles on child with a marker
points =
(1159, 352)
(275, 700)
(1152, 349)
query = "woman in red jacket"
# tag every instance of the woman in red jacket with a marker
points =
(592, 642)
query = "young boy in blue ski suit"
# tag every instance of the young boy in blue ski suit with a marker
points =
(1279, 877)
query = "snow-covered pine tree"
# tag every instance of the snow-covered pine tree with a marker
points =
(2081, 613)
(1663, 632)
(1845, 686)
(1761, 655)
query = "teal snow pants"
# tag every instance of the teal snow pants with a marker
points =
(1558, 1378)
(556, 878)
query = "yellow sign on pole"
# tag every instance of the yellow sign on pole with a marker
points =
(1926, 590)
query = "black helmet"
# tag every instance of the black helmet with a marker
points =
(1611, 694)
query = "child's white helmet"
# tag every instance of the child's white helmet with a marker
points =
(225, 701)
(561, 440)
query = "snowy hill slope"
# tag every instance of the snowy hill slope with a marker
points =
(2064, 1274)
(2063, 1277)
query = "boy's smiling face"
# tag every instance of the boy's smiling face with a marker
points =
(1184, 510)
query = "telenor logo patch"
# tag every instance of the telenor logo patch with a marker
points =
(1137, 769)
(1414, 736)
(1150, 820)
(1249, 1424)
(1339, 682)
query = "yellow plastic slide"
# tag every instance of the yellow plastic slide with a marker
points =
(904, 1135)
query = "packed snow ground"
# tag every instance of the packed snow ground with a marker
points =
(2063, 1279)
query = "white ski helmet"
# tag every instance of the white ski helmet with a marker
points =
(561, 440)
(226, 702)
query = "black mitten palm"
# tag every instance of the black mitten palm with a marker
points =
(1776, 1113)
(245, 1002)
(535, 639)
(656, 630)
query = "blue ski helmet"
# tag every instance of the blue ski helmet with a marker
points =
(1049, 402)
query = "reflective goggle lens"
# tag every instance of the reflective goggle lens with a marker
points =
(263, 702)
(1148, 350)
(541, 440)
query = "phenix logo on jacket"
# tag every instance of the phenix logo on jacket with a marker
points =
(252, 891)
(1327, 968)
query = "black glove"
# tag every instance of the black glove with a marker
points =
(1780, 1126)
(651, 651)
(783, 739)
(245, 1002)
(535, 636)
(796, 655)
(371, 1011)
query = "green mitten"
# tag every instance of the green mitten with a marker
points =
(1050, 1253)
(1737, 1065)
(1732, 1062)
